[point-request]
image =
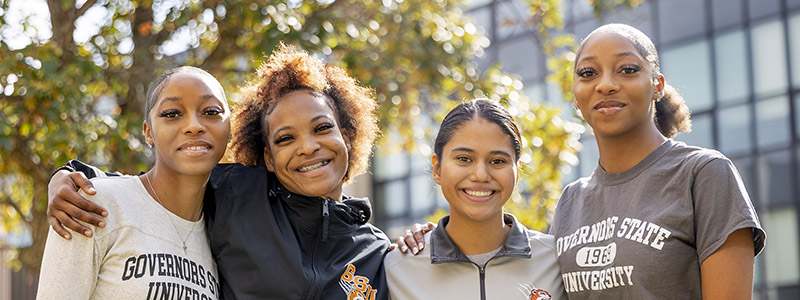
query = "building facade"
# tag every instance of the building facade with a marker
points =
(737, 63)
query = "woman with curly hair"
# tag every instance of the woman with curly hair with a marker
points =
(278, 223)
(657, 218)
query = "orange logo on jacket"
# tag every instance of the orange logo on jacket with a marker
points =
(356, 287)
(539, 294)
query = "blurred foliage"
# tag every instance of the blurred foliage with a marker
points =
(73, 78)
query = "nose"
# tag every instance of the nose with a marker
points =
(194, 125)
(607, 85)
(480, 173)
(308, 146)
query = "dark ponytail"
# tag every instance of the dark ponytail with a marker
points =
(672, 114)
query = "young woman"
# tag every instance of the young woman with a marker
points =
(279, 225)
(657, 218)
(477, 252)
(154, 244)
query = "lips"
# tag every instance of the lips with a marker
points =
(195, 147)
(609, 107)
(313, 166)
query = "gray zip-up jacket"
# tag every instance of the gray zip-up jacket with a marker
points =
(525, 268)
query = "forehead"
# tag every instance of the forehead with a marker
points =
(300, 105)
(608, 44)
(480, 134)
(183, 83)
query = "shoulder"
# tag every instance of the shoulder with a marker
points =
(109, 189)
(542, 240)
(395, 258)
(239, 175)
(694, 157)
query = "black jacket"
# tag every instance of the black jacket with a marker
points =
(272, 244)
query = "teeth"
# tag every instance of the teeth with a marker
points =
(314, 166)
(478, 193)
(196, 148)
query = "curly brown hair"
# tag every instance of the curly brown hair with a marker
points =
(286, 70)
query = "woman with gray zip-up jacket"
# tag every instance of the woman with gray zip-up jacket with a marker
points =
(477, 252)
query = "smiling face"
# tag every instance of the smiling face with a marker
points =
(306, 149)
(615, 86)
(477, 171)
(189, 124)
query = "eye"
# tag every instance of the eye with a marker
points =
(323, 127)
(464, 159)
(586, 72)
(170, 113)
(213, 111)
(283, 139)
(498, 161)
(630, 69)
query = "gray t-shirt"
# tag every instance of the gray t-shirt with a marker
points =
(643, 233)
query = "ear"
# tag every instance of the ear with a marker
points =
(346, 139)
(437, 170)
(268, 160)
(659, 88)
(147, 132)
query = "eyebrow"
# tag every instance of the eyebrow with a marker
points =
(493, 152)
(621, 54)
(290, 127)
(178, 98)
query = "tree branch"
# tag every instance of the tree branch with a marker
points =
(7, 201)
(80, 11)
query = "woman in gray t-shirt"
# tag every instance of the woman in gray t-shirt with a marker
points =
(657, 219)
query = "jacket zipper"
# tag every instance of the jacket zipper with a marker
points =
(312, 293)
(483, 279)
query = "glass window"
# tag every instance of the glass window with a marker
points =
(589, 155)
(772, 122)
(687, 68)
(536, 92)
(522, 56)
(679, 19)
(476, 3)
(511, 18)
(701, 132)
(582, 29)
(797, 113)
(639, 17)
(482, 18)
(726, 13)
(733, 125)
(423, 195)
(390, 166)
(582, 9)
(762, 8)
(794, 40)
(732, 70)
(394, 198)
(745, 167)
(775, 179)
(793, 3)
(782, 255)
(769, 57)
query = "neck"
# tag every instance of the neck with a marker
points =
(620, 153)
(490, 234)
(180, 194)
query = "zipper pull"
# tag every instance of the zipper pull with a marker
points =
(325, 219)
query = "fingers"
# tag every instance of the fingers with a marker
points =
(82, 182)
(63, 219)
(410, 240)
(58, 228)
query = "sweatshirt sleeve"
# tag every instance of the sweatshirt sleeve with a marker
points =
(90, 171)
(69, 267)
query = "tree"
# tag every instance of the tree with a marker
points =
(73, 79)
